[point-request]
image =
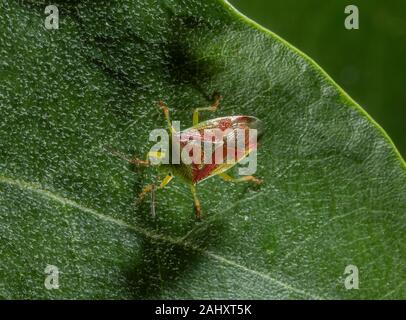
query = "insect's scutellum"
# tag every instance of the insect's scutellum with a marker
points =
(195, 171)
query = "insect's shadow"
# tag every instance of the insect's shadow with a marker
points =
(164, 260)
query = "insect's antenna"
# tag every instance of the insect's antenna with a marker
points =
(117, 153)
(153, 201)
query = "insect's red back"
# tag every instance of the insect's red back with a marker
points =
(222, 134)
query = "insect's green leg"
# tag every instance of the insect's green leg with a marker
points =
(212, 108)
(196, 202)
(166, 114)
(227, 177)
(149, 187)
(145, 190)
(165, 181)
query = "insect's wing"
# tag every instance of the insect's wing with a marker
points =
(230, 137)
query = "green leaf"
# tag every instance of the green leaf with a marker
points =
(334, 185)
(357, 59)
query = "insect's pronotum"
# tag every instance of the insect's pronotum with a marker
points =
(197, 171)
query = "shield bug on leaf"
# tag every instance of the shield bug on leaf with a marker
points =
(207, 149)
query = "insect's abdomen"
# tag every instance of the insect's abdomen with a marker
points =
(228, 126)
(203, 171)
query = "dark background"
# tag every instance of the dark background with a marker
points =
(369, 63)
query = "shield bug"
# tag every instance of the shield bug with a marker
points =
(207, 149)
